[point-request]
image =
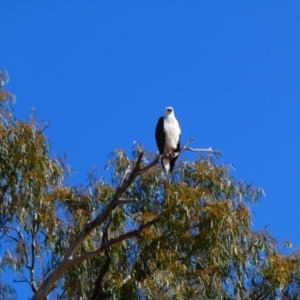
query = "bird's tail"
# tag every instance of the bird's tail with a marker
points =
(165, 164)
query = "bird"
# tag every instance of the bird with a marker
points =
(167, 135)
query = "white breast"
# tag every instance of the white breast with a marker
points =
(172, 131)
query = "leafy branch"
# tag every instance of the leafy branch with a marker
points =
(69, 259)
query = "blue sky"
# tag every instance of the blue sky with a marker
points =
(103, 71)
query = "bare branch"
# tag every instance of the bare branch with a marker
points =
(21, 280)
(215, 152)
(189, 141)
(127, 171)
(186, 148)
(31, 269)
(138, 162)
(198, 150)
(11, 237)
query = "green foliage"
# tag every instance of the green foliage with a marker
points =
(200, 244)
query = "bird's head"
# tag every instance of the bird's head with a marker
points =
(169, 111)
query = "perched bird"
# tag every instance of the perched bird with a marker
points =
(167, 135)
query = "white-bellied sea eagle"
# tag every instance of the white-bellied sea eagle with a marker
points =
(167, 135)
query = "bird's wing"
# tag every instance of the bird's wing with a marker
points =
(178, 144)
(160, 135)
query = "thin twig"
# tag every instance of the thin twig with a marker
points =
(21, 280)
(186, 148)
(126, 201)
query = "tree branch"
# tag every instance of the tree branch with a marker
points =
(138, 162)
(31, 269)
(126, 201)
(98, 290)
(116, 240)
(186, 148)
(68, 259)
(67, 263)
(127, 171)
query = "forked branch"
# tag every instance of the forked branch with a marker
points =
(113, 241)
(186, 148)
(117, 200)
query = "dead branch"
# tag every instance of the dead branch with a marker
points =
(186, 148)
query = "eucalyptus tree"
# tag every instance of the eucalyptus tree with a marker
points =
(139, 236)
